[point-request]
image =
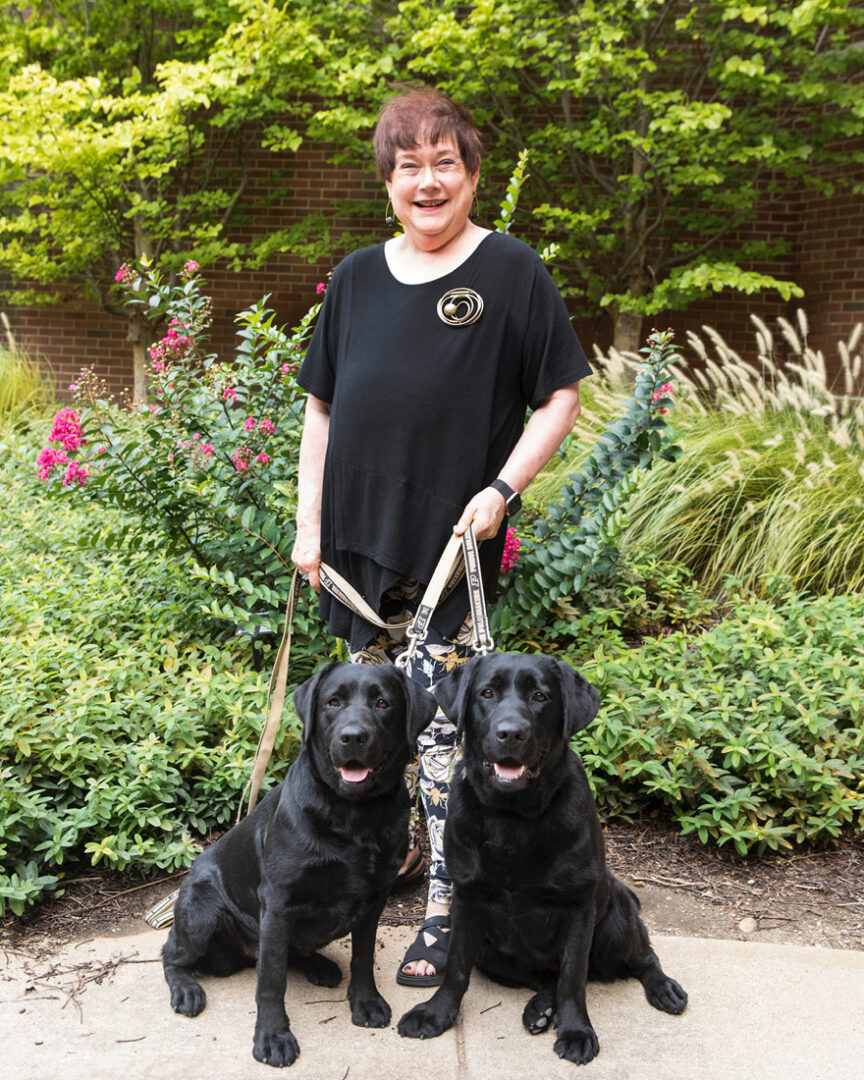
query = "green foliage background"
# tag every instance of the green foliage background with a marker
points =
(129, 717)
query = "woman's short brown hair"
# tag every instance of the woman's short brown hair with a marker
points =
(421, 115)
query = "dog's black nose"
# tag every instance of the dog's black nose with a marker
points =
(512, 730)
(353, 735)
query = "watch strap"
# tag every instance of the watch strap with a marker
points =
(511, 497)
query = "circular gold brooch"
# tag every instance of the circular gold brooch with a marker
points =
(460, 307)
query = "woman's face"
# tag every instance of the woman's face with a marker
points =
(432, 192)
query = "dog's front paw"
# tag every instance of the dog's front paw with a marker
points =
(371, 1012)
(425, 1022)
(580, 1047)
(319, 970)
(188, 998)
(277, 1048)
(667, 995)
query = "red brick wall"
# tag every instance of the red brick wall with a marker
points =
(76, 333)
(826, 259)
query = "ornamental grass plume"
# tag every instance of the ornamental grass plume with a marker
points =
(771, 481)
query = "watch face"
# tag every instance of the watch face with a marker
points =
(514, 505)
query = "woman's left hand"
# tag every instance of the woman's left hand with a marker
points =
(485, 512)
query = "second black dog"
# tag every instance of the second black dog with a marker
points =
(534, 902)
(313, 861)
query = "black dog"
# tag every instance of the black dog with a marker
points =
(533, 901)
(314, 860)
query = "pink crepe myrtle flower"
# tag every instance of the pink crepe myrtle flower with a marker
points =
(263, 459)
(664, 391)
(67, 430)
(267, 427)
(174, 346)
(48, 460)
(76, 473)
(321, 288)
(207, 449)
(229, 394)
(124, 275)
(241, 459)
(249, 425)
(510, 556)
(191, 267)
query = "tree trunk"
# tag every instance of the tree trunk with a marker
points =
(628, 331)
(139, 334)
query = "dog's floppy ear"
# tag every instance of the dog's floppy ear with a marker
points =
(306, 699)
(420, 707)
(581, 700)
(452, 692)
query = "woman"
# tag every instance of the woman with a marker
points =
(427, 352)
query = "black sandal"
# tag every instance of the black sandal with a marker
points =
(409, 877)
(437, 927)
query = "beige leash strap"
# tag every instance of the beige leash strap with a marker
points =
(275, 704)
(444, 579)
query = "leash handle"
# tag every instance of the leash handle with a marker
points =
(466, 546)
(482, 642)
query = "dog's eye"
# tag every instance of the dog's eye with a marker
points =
(487, 693)
(538, 696)
(334, 702)
(381, 703)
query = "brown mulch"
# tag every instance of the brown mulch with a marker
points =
(806, 897)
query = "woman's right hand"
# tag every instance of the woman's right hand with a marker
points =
(306, 556)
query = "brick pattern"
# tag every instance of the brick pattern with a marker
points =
(826, 259)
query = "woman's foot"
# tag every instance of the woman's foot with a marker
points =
(426, 957)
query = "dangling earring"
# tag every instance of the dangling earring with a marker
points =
(475, 212)
(389, 220)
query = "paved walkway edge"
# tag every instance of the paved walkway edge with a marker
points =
(757, 1012)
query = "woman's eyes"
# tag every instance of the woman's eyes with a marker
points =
(412, 167)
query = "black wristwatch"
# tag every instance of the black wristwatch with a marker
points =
(512, 498)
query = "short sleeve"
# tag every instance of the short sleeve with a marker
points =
(552, 355)
(317, 374)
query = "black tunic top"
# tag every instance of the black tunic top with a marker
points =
(424, 414)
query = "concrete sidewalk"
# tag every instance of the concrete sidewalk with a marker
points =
(757, 1012)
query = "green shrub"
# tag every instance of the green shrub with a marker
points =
(577, 542)
(751, 733)
(128, 720)
(209, 461)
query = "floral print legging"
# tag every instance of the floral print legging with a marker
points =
(428, 777)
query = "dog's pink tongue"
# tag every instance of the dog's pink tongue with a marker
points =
(509, 770)
(354, 774)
